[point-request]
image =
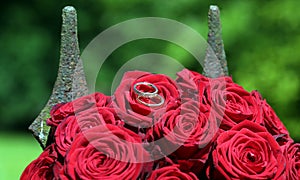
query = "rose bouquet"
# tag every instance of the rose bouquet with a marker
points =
(154, 127)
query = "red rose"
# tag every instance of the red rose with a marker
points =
(105, 152)
(247, 151)
(292, 153)
(231, 103)
(271, 120)
(193, 85)
(171, 172)
(134, 112)
(58, 171)
(185, 132)
(63, 110)
(97, 116)
(189, 81)
(72, 125)
(42, 167)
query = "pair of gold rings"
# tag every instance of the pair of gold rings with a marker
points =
(149, 95)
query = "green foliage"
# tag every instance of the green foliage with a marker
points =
(261, 40)
(17, 150)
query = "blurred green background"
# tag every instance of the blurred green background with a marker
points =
(261, 41)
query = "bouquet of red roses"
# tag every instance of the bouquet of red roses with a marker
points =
(153, 127)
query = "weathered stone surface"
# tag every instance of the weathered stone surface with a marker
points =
(70, 83)
(215, 64)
